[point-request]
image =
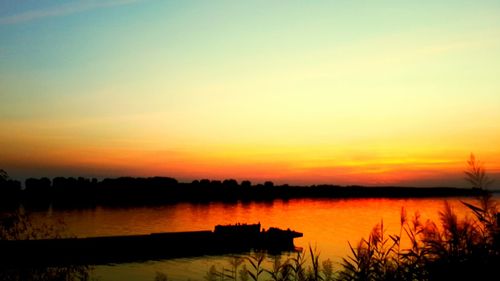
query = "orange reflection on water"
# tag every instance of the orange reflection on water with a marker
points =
(327, 223)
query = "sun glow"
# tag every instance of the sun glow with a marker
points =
(336, 93)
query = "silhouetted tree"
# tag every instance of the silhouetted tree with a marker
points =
(37, 184)
(268, 184)
(9, 189)
(230, 183)
(246, 184)
(216, 183)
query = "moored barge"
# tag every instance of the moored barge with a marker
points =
(114, 249)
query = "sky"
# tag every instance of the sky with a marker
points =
(300, 92)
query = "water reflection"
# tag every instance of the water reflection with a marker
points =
(329, 224)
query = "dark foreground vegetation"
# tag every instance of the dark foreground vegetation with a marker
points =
(18, 225)
(457, 249)
(127, 191)
(454, 249)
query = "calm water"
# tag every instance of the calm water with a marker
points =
(327, 224)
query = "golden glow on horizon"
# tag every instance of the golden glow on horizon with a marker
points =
(341, 164)
(301, 94)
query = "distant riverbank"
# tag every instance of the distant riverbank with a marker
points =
(127, 191)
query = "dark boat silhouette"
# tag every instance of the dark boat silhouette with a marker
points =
(129, 248)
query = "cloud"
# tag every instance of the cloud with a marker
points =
(61, 10)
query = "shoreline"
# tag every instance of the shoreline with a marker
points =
(129, 192)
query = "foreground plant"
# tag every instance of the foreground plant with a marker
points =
(457, 249)
(461, 248)
(258, 266)
(19, 225)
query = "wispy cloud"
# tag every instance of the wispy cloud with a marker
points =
(61, 10)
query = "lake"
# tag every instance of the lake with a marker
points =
(327, 224)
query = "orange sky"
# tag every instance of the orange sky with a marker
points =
(328, 92)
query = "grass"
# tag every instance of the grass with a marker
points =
(452, 249)
(291, 269)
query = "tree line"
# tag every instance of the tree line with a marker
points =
(68, 192)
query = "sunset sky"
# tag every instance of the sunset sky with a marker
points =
(303, 92)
